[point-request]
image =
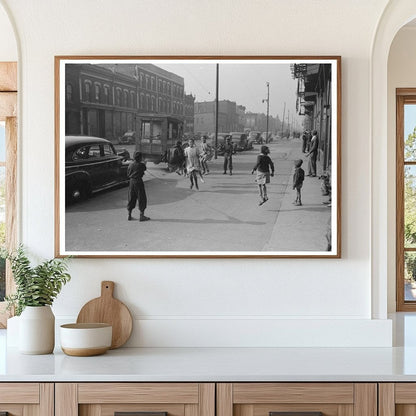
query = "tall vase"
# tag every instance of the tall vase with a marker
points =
(37, 330)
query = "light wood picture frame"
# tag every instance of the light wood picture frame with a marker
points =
(257, 172)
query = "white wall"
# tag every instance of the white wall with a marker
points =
(401, 74)
(8, 45)
(212, 302)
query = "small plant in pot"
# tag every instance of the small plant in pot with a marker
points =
(36, 289)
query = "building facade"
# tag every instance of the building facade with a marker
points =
(258, 122)
(314, 102)
(205, 117)
(107, 100)
(189, 113)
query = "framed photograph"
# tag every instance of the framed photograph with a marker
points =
(198, 156)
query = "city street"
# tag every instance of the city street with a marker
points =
(222, 216)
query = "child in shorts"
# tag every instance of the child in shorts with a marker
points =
(298, 178)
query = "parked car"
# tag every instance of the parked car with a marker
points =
(255, 136)
(267, 139)
(129, 137)
(241, 141)
(221, 137)
(91, 165)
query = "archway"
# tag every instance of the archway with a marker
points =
(396, 15)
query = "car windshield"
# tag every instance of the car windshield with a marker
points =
(108, 150)
(91, 151)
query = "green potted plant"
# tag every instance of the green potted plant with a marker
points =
(36, 289)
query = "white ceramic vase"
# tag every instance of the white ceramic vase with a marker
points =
(37, 330)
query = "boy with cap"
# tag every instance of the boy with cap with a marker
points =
(298, 178)
(135, 173)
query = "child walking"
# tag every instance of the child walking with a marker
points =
(193, 164)
(135, 173)
(298, 178)
(265, 168)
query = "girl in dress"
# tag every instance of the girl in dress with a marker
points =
(193, 165)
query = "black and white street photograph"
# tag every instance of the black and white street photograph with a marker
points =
(198, 157)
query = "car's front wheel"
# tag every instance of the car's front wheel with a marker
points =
(78, 192)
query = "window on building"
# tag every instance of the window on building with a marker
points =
(153, 103)
(147, 82)
(168, 88)
(164, 87)
(106, 94)
(97, 92)
(153, 84)
(8, 173)
(406, 200)
(141, 80)
(133, 99)
(160, 105)
(148, 102)
(118, 97)
(87, 90)
(69, 90)
(146, 133)
(160, 85)
(142, 101)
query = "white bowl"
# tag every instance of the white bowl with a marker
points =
(84, 340)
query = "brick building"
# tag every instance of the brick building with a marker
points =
(189, 110)
(205, 116)
(106, 100)
(314, 102)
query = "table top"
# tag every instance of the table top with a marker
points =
(214, 365)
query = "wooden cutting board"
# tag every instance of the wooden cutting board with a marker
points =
(107, 309)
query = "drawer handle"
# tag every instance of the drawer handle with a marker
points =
(295, 413)
(139, 414)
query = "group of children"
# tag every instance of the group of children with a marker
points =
(264, 169)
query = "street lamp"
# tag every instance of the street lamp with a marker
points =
(267, 118)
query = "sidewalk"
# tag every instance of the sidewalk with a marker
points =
(301, 228)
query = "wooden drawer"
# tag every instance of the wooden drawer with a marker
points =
(331, 399)
(27, 399)
(397, 399)
(105, 399)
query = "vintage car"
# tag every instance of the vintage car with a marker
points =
(241, 140)
(255, 137)
(129, 137)
(221, 138)
(91, 165)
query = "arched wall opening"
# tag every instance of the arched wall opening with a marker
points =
(387, 73)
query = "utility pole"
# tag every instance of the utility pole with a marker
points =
(216, 112)
(283, 118)
(267, 118)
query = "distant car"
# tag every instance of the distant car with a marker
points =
(129, 137)
(266, 138)
(221, 137)
(91, 165)
(255, 136)
(241, 141)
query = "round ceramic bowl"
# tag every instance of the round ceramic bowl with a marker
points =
(83, 340)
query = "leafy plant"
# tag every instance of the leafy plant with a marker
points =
(35, 286)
